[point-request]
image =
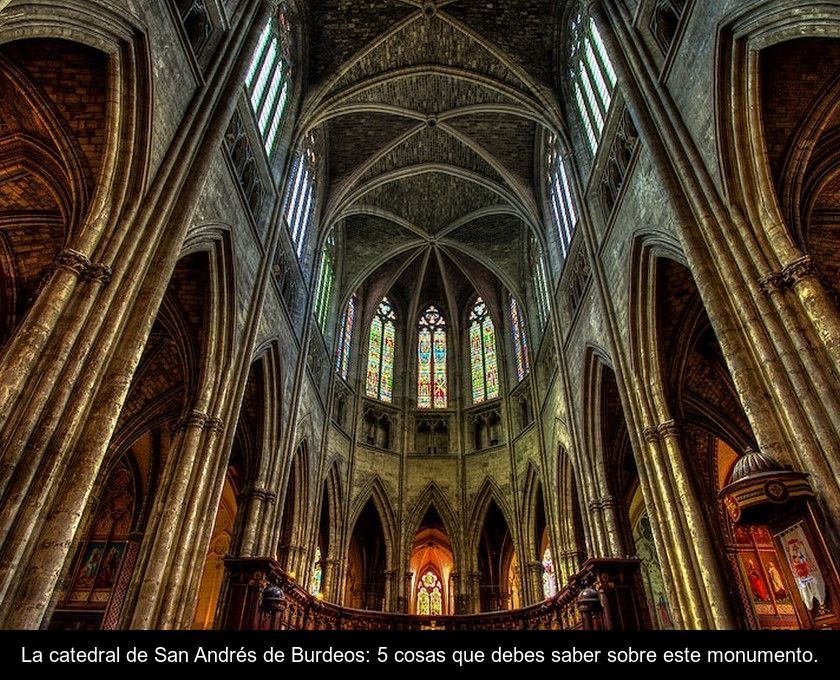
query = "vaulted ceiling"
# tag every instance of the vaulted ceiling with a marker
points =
(433, 114)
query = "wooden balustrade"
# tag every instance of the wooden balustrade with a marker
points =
(604, 595)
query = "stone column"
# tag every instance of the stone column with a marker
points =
(390, 587)
(92, 345)
(702, 600)
(788, 389)
(534, 572)
(169, 544)
(329, 578)
(256, 510)
(475, 591)
(404, 602)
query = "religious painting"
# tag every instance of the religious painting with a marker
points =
(775, 582)
(764, 582)
(97, 572)
(107, 575)
(803, 566)
(754, 576)
(90, 566)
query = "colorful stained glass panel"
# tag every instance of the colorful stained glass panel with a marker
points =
(374, 358)
(440, 368)
(386, 385)
(424, 369)
(476, 363)
(491, 369)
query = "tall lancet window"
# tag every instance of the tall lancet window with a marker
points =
(380, 370)
(345, 339)
(592, 76)
(269, 79)
(540, 282)
(326, 279)
(560, 195)
(431, 360)
(520, 339)
(483, 364)
(300, 197)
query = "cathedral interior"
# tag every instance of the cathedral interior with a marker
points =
(407, 314)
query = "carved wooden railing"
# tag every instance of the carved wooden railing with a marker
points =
(604, 595)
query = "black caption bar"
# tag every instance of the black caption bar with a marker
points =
(290, 651)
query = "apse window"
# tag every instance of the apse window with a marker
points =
(380, 368)
(300, 200)
(592, 77)
(483, 362)
(563, 211)
(269, 79)
(431, 360)
(429, 595)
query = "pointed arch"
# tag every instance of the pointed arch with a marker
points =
(332, 494)
(572, 551)
(431, 497)
(489, 492)
(374, 490)
(214, 240)
(295, 507)
(268, 355)
(371, 550)
(533, 507)
(495, 553)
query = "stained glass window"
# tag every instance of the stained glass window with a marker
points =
(326, 279)
(549, 577)
(520, 339)
(540, 284)
(269, 79)
(345, 339)
(560, 195)
(484, 367)
(593, 77)
(300, 198)
(380, 369)
(429, 595)
(431, 360)
(317, 574)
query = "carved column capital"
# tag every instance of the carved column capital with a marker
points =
(535, 568)
(609, 502)
(651, 434)
(195, 418)
(669, 429)
(200, 420)
(771, 283)
(791, 275)
(263, 495)
(798, 270)
(79, 264)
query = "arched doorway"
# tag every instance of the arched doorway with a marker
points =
(432, 563)
(496, 558)
(366, 562)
